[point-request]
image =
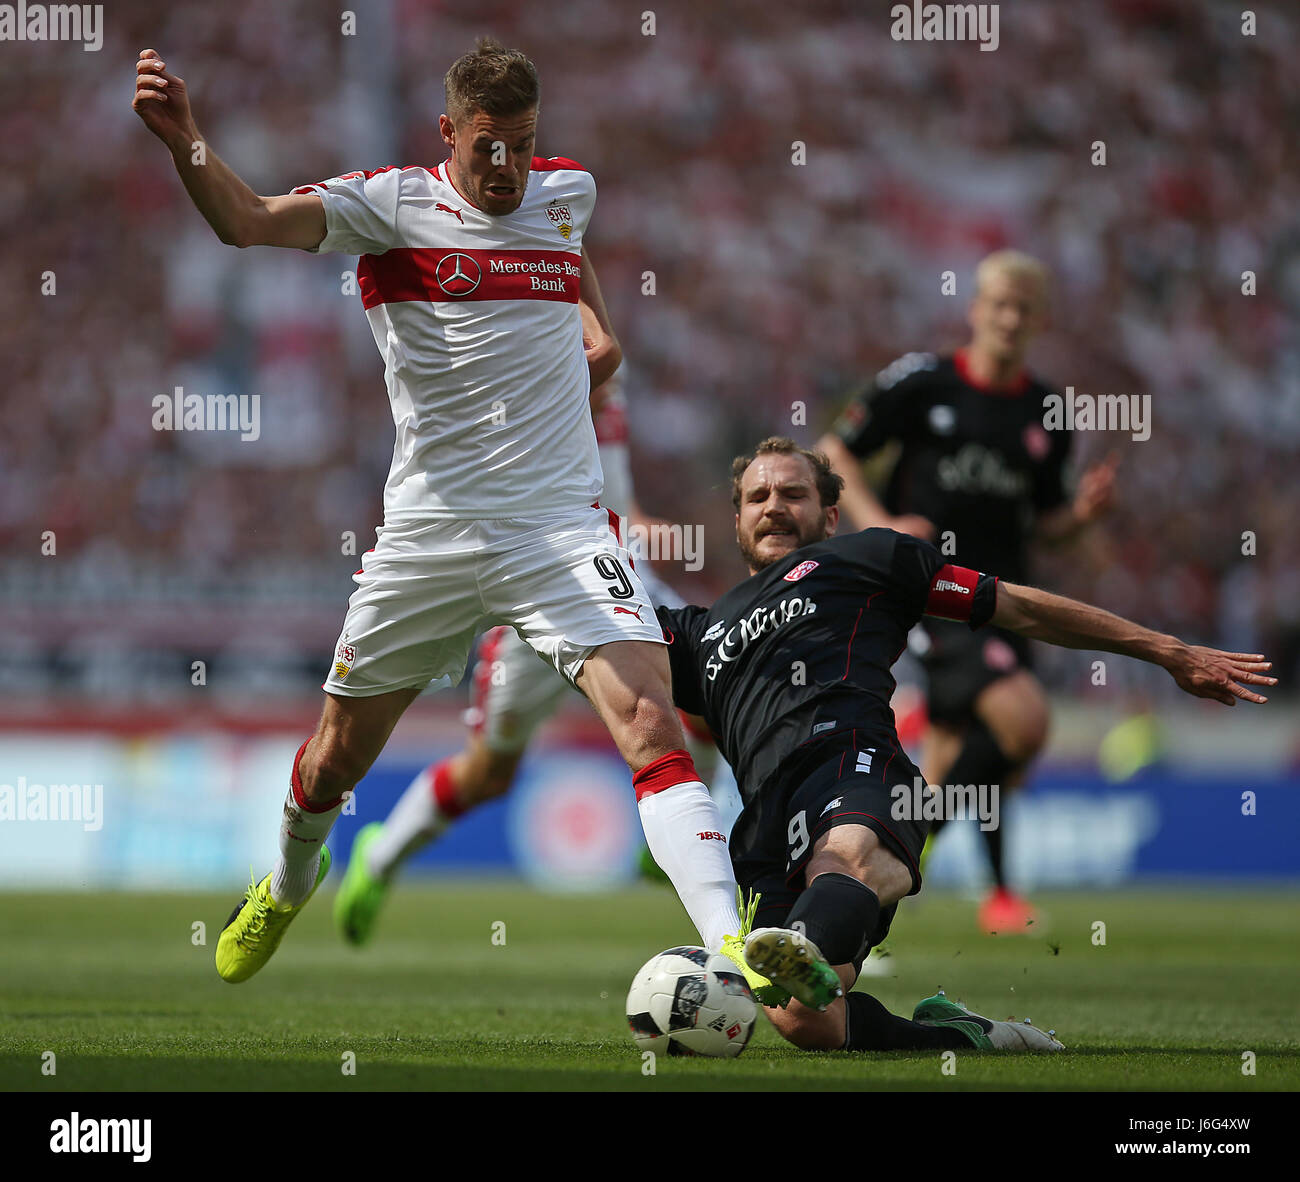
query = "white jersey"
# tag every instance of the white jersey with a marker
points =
(477, 320)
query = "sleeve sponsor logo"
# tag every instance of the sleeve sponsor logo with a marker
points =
(799, 571)
(952, 594)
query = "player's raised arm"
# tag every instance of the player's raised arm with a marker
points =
(860, 504)
(1203, 672)
(238, 215)
(604, 354)
(873, 417)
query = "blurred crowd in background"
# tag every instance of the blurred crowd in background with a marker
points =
(777, 285)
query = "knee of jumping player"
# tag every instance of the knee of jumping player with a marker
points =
(328, 768)
(1022, 741)
(483, 774)
(654, 729)
(809, 1029)
(1016, 713)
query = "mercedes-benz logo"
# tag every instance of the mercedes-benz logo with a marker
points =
(458, 274)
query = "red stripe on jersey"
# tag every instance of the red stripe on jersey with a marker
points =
(429, 275)
(848, 655)
(952, 593)
(551, 163)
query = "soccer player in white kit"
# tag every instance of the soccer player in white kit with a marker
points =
(471, 274)
(512, 694)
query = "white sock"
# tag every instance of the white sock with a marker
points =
(301, 835)
(414, 821)
(699, 867)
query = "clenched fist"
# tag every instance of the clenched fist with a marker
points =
(161, 101)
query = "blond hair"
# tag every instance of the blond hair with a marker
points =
(1013, 263)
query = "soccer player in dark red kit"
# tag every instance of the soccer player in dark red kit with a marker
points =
(979, 475)
(790, 669)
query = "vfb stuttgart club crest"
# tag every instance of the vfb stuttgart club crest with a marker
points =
(562, 219)
(344, 658)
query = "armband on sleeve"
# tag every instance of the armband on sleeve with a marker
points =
(959, 593)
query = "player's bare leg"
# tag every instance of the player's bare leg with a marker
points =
(442, 792)
(349, 737)
(1010, 724)
(858, 876)
(437, 796)
(939, 750)
(628, 682)
(1015, 710)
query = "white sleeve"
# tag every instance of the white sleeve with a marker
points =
(360, 211)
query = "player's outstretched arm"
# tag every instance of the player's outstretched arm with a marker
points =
(1204, 672)
(238, 215)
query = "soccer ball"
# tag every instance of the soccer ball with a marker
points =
(689, 1001)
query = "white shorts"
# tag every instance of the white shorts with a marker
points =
(512, 691)
(564, 581)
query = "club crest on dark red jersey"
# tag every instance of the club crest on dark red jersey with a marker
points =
(793, 576)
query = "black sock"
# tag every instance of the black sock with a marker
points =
(871, 1027)
(993, 842)
(981, 761)
(838, 914)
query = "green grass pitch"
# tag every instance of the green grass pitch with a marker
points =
(115, 986)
